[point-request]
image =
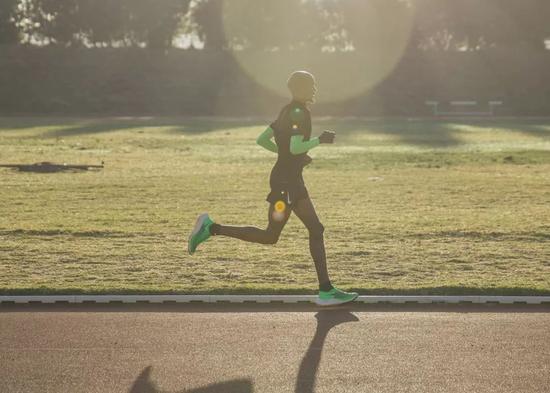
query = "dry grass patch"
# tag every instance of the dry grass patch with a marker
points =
(409, 207)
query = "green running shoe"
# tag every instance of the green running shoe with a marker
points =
(335, 296)
(201, 232)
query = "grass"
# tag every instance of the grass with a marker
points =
(409, 207)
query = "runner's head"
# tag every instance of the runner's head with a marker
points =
(302, 86)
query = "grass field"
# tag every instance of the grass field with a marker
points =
(415, 207)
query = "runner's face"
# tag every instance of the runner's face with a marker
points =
(305, 92)
(311, 93)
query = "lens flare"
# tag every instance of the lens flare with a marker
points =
(375, 33)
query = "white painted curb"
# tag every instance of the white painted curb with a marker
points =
(270, 299)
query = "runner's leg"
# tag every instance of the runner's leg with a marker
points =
(305, 211)
(270, 235)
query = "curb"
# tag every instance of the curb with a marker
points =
(270, 299)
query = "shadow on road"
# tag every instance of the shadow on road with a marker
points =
(326, 320)
(307, 373)
(143, 384)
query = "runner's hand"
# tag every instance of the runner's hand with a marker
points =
(327, 137)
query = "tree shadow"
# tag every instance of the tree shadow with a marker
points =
(9, 123)
(307, 372)
(74, 126)
(519, 236)
(435, 133)
(420, 133)
(60, 232)
(189, 126)
(534, 127)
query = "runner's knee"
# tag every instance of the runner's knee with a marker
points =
(316, 230)
(271, 236)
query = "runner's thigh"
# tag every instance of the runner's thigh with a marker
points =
(305, 211)
(277, 220)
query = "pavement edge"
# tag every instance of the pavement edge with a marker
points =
(102, 299)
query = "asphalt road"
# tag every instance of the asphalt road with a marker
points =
(264, 349)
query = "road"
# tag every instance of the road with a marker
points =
(267, 348)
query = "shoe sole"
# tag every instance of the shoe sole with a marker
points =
(196, 229)
(333, 302)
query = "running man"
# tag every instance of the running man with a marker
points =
(292, 134)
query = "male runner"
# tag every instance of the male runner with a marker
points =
(292, 134)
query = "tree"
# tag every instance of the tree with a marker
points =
(58, 20)
(152, 23)
(155, 22)
(260, 24)
(9, 33)
(106, 22)
(480, 24)
(207, 15)
(378, 25)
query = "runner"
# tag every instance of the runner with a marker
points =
(292, 134)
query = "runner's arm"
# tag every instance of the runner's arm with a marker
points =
(299, 146)
(264, 140)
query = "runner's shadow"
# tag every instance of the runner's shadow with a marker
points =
(143, 384)
(307, 373)
(326, 320)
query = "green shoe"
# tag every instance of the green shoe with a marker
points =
(335, 296)
(200, 233)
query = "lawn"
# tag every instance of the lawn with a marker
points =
(409, 207)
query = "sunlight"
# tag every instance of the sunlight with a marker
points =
(383, 31)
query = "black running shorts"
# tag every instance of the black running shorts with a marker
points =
(289, 193)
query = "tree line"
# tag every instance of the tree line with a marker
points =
(328, 25)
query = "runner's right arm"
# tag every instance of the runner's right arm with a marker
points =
(300, 127)
(299, 146)
(264, 140)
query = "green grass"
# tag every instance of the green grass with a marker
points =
(409, 207)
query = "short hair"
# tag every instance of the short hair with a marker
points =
(299, 79)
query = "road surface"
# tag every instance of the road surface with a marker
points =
(265, 349)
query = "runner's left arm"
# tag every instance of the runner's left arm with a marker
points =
(264, 140)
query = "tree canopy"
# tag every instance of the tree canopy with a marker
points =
(329, 25)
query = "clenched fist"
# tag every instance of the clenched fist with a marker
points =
(327, 137)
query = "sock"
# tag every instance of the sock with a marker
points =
(325, 286)
(215, 229)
